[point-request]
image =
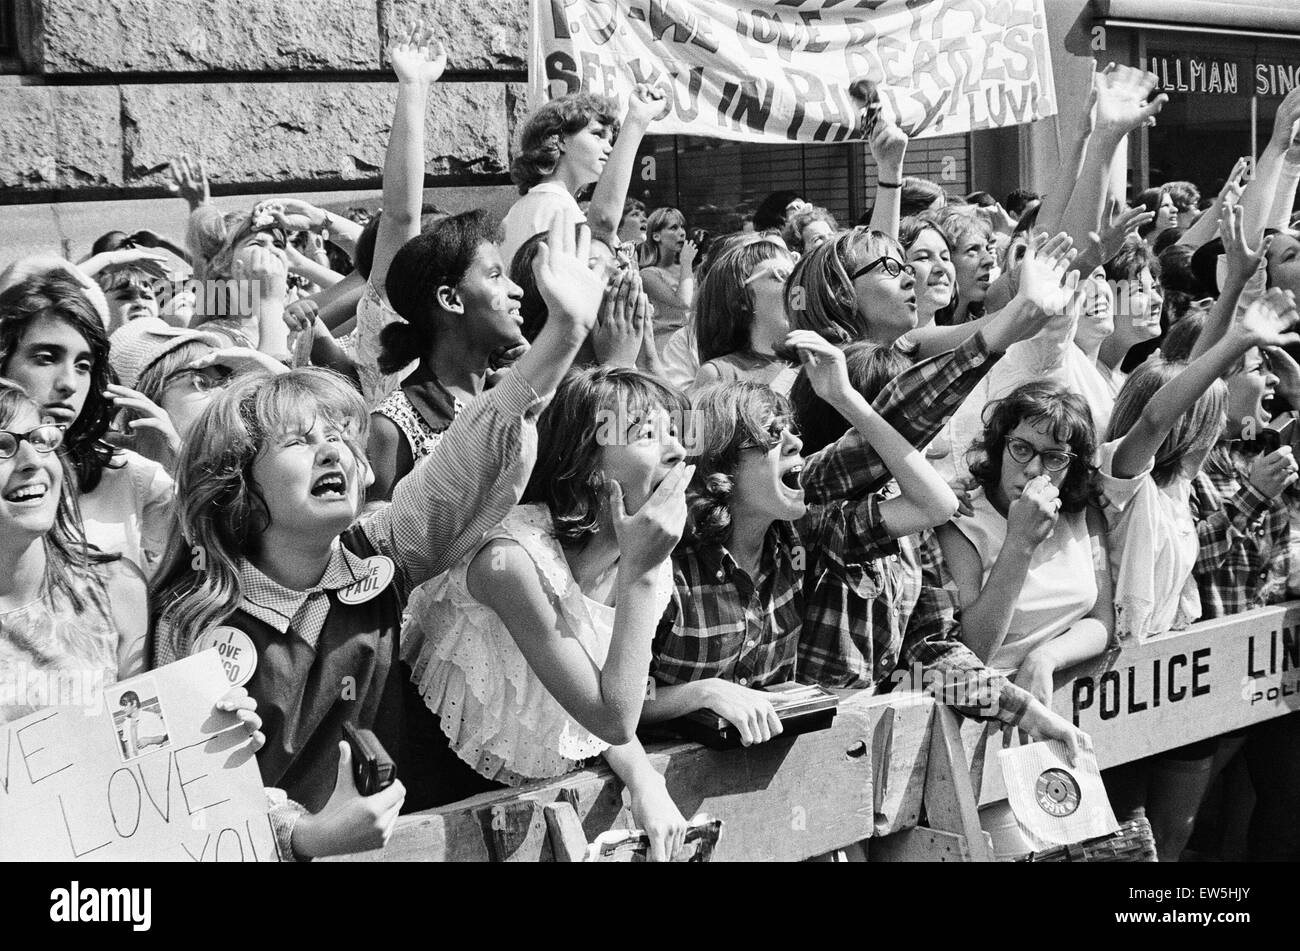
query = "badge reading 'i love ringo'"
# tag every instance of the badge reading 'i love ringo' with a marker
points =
(379, 575)
(238, 655)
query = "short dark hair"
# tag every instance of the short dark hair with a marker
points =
(1130, 260)
(1070, 420)
(539, 142)
(129, 696)
(770, 212)
(1186, 196)
(1018, 199)
(439, 257)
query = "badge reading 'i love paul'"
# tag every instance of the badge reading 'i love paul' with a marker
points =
(380, 574)
(238, 655)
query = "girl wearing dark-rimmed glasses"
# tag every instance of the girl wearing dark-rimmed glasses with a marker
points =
(1031, 562)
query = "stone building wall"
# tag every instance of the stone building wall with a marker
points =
(272, 94)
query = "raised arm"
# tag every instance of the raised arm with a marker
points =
(646, 104)
(1230, 194)
(926, 500)
(418, 60)
(1257, 201)
(1264, 324)
(1121, 106)
(888, 147)
(1242, 265)
(1052, 211)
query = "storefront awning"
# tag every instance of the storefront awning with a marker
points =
(1253, 17)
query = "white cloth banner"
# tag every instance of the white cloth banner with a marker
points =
(780, 70)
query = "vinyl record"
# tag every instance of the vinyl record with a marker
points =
(1057, 792)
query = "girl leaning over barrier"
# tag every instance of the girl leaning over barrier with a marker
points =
(533, 650)
(271, 481)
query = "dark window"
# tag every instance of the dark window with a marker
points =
(8, 37)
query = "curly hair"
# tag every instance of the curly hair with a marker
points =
(820, 295)
(542, 135)
(1069, 420)
(792, 233)
(59, 297)
(729, 416)
(593, 407)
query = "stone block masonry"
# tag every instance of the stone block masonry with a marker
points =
(114, 89)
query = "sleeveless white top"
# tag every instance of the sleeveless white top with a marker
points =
(496, 713)
(1060, 586)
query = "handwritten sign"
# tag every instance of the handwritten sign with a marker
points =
(157, 774)
(780, 70)
(1178, 688)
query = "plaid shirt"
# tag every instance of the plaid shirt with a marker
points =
(917, 403)
(895, 621)
(1244, 555)
(722, 623)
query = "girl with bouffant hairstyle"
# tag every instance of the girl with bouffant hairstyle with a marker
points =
(757, 556)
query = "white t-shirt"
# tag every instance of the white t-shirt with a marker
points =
(1060, 586)
(1153, 547)
(534, 212)
(680, 359)
(130, 511)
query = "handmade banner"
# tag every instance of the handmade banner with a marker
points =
(781, 70)
(1176, 689)
(158, 774)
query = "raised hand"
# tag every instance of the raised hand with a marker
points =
(646, 104)
(1267, 322)
(189, 181)
(1046, 280)
(1121, 222)
(1242, 261)
(240, 360)
(620, 328)
(153, 263)
(823, 364)
(1122, 104)
(153, 418)
(416, 57)
(572, 291)
(1285, 119)
(647, 537)
(888, 145)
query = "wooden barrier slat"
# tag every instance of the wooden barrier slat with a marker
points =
(786, 800)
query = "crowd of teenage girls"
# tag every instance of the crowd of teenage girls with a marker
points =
(527, 487)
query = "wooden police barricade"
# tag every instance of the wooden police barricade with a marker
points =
(1172, 690)
(785, 800)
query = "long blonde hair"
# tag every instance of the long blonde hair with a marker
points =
(660, 218)
(219, 504)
